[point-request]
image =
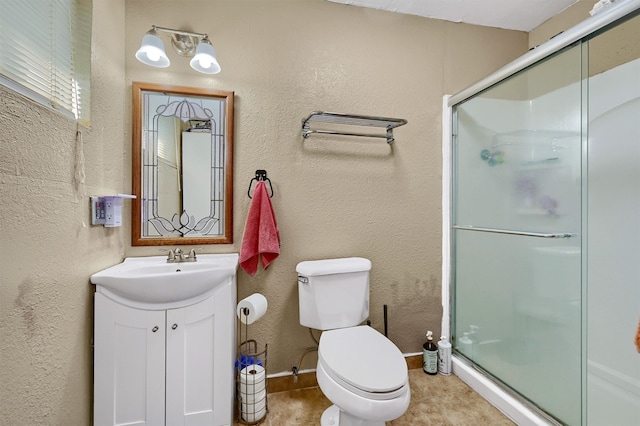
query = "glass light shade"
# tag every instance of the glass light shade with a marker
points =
(152, 52)
(205, 58)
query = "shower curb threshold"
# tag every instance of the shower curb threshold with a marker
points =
(496, 396)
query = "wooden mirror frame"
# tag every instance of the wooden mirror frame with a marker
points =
(136, 208)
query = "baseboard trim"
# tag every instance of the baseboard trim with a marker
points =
(308, 379)
(413, 361)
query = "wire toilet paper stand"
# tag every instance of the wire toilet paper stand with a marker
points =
(251, 376)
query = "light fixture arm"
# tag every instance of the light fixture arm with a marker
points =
(181, 32)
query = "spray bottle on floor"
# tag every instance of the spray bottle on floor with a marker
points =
(430, 355)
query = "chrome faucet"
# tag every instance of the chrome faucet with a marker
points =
(171, 257)
(178, 256)
(191, 257)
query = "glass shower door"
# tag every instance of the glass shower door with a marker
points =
(613, 302)
(516, 245)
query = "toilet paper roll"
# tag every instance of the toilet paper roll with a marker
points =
(253, 415)
(257, 306)
(252, 380)
(259, 399)
(253, 407)
(253, 374)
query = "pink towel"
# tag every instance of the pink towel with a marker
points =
(261, 236)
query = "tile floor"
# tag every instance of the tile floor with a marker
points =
(435, 400)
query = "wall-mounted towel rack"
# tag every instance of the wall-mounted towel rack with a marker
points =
(335, 118)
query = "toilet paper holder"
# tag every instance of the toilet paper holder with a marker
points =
(251, 377)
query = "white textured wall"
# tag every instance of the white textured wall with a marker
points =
(334, 196)
(47, 249)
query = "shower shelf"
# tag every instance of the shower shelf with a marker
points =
(339, 119)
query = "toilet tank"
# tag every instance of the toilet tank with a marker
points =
(333, 293)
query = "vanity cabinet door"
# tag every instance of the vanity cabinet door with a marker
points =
(129, 359)
(199, 372)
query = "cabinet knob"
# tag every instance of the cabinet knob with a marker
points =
(154, 329)
(174, 326)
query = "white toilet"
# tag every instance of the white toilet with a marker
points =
(359, 370)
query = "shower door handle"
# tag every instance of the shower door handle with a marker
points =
(510, 232)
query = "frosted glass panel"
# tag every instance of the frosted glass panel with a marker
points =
(518, 315)
(613, 301)
(517, 298)
(518, 151)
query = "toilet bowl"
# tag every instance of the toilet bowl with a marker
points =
(365, 376)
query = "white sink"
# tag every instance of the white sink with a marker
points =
(151, 280)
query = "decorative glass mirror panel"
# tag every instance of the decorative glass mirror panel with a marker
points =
(182, 165)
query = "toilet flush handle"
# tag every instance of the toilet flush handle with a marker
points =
(303, 279)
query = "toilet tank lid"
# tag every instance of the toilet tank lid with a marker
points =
(314, 268)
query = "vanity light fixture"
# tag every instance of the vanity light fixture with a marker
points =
(188, 44)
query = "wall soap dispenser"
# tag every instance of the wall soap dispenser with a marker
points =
(107, 210)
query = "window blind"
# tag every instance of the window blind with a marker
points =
(45, 53)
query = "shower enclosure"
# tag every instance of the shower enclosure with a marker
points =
(545, 225)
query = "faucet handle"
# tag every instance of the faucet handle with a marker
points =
(192, 255)
(171, 257)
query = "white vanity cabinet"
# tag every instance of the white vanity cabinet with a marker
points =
(165, 365)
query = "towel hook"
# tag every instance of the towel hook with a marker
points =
(261, 175)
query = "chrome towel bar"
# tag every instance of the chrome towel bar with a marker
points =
(522, 233)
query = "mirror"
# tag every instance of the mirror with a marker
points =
(182, 165)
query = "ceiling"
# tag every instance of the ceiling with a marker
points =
(521, 15)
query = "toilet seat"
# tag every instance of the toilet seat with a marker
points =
(364, 362)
